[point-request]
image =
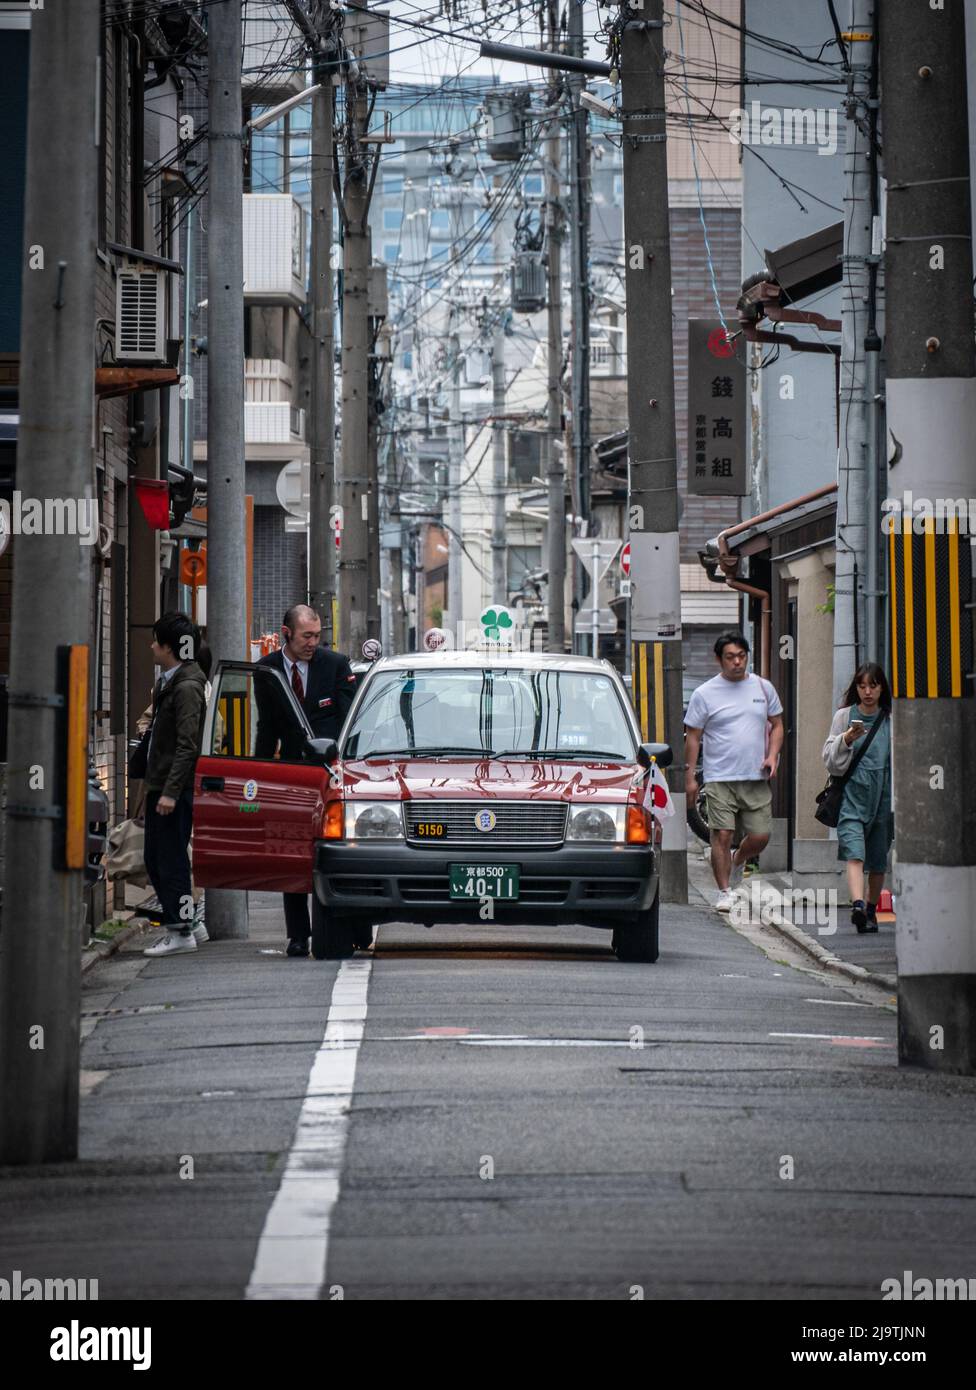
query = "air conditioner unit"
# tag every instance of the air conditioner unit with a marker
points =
(140, 315)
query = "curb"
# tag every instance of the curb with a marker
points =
(828, 960)
(101, 950)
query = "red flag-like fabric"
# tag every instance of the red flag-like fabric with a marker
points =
(657, 798)
(154, 500)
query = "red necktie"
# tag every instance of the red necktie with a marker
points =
(296, 683)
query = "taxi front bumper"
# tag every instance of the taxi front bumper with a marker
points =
(597, 885)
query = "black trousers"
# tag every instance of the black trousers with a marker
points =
(167, 858)
(297, 923)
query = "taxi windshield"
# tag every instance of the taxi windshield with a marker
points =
(490, 710)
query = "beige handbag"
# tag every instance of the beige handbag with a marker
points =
(124, 856)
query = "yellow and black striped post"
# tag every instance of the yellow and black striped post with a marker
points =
(648, 689)
(930, 590)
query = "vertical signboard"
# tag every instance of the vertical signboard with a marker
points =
(716, 413)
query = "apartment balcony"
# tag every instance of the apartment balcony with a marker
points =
(273, 65)
(273, 422)
(274, 250)
(267, 379)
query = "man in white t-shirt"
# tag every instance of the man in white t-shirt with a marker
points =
(740, 717)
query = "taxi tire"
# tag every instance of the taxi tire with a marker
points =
(332, 939)
(638, 941)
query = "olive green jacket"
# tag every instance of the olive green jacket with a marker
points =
(179, 708)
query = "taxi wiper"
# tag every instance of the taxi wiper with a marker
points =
(438, 752)
(562, 753)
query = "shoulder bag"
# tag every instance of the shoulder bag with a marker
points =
(829, 800)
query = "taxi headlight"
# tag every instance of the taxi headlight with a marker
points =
(604, 823)
(374, 820)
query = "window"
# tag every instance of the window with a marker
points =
(491, 709)
(524, 456)
(392, 219)
(256, 717)
(394, 185)
(440, 222)
(391, 252)
(521, 561)
(618, 187)
(532, 186)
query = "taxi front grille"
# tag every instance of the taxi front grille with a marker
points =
(516, 823)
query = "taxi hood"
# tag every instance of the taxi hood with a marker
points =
(516, 779)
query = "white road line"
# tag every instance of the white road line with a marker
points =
(829, 1037)
(291, 1257)
(843, 1003)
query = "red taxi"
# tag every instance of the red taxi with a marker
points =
(464, 787)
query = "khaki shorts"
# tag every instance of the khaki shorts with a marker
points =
(742, 806)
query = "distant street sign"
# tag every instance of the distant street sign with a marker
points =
(606, 620)
(625, 588)
(625, 561)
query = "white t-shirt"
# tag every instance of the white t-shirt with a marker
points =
(733, 715)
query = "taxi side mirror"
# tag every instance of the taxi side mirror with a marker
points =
(321, 750)
(660, 751)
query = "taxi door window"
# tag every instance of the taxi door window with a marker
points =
(255, 717)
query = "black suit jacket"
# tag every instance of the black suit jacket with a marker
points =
(330, 691)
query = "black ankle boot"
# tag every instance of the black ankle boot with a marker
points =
(859, 916)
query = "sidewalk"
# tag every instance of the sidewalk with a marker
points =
(869, 957)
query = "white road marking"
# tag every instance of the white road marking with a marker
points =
(543, 1042)
(829, 1037)
(292, 1253)
(843, 1003)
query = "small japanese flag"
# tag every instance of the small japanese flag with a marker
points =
(657, 798)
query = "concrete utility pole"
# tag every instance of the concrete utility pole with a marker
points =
(931, 403)
(352, 473)
(455, 515)
(226, 545)
(553, 463)
(855, 457)
(499, 471)
(321, 441)
(373, 508)
(579, 187)
(655, 572)
(40, 978)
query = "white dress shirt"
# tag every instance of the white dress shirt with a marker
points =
(302, 671)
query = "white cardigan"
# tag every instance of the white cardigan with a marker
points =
(836, 754)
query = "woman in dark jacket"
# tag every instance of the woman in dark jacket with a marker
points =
(864, 831)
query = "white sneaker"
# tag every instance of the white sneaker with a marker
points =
(735, 877)
(200, 934)
(171, 945)
(725, 902)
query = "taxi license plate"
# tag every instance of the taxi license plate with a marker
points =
(475, 881)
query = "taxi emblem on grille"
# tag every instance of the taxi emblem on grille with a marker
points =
(485, 820)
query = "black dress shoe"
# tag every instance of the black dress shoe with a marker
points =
(297, 948)
(871, 912)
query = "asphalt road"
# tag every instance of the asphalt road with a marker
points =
(528, 1119)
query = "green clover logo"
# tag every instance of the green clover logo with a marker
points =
(493, 623)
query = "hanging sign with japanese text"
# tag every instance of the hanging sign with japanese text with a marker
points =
(716, 413)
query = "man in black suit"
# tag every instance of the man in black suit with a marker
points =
(324, 686)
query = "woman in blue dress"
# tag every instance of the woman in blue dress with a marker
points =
(864, 831)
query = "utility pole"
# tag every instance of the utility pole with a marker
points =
(352, 478)
(931, 410)
(373, 502)
(499, 481)
(226, 545)
(579, 185)
(553, 464)
(653, 501)
(321, 538)
(854, 457)
(40, 976)
(455, 516)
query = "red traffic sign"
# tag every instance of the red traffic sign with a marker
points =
(625, 561)
(719, 344)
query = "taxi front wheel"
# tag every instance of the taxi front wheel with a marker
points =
(332, 937)
(638, 941)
